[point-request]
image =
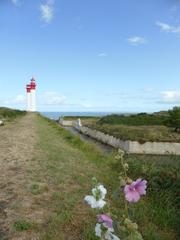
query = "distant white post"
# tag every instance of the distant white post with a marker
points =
(79, 122)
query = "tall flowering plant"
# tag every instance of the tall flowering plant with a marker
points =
(132, 191)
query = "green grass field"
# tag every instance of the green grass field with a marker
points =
(66, 166)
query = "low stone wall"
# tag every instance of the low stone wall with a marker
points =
(65, 123)
(160, 148)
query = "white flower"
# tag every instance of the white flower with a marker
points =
(99, 190)
(108, 234)
(98, 230)
(95, 203)
(97, 199)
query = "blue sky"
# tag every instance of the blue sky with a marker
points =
(91, 55)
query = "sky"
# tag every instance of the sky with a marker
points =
(91, 55)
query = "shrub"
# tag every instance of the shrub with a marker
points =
(8, 113)
(135, 119)
(174, 118)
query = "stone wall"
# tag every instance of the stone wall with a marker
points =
(161, 148)
(65, 123)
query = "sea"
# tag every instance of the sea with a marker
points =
(56, 115)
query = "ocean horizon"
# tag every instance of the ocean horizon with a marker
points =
(56, 115)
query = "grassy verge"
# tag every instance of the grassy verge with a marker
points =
(66, 165)
(8, 114)
(86, 118)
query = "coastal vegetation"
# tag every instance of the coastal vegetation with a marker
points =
(81, 117)
(139, 119)
(58, 172)
(174, 118)
(140, 127)
(67, 158)
(10, 114)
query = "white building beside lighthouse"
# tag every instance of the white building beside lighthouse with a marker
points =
(31, 96)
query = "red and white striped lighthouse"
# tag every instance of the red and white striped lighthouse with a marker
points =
(31, 96)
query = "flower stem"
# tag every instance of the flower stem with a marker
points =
(125, 176)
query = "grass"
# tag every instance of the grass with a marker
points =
(81, 117)
(36, 188)
(139, 119)
(22, 225)
(137, 133)
(66, 165)
(10, 114)
(138, 127)
(162, 202)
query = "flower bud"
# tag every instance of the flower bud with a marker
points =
(129, 180)
(120, 152)
(130, 225)
(126, 166)
(117, 157)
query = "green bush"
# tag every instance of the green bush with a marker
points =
(174, 118)
(135, 119)
(8, 113)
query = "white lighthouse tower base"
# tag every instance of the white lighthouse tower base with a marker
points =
(28, 101)
(33, 100)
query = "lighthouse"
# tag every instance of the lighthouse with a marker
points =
(31, 96)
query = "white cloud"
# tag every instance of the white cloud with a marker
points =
(135, 40)
(47, 11)
(102, 54)
(171, 97)
(168, 28)
(19, 99)
(15, 2)
(53, 99)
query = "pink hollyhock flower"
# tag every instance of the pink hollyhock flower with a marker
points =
(106, 220)
(135, 190)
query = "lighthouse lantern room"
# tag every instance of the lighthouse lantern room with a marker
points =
(31, 96)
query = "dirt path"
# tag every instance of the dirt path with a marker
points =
(17, 142)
